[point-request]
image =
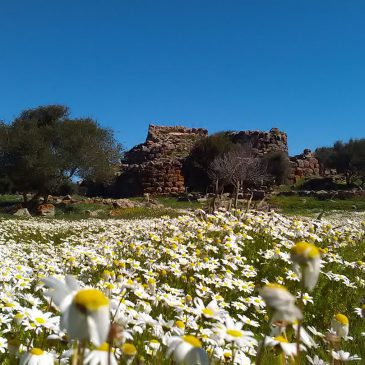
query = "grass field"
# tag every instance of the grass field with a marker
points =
(170, 207)
(310, 205)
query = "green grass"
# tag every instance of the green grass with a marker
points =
(10, 199)
(171, 208)
(143, 213)
(171, 202)
(305, 205)
(78, 211)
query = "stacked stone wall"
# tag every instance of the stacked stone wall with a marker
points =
(303, 165)
(262, 142)
(156, 165)
(165, 142)
(163, 177)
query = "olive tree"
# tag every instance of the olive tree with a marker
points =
(347, 158)
(43, 148)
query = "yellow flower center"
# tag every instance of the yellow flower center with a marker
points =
(36, 351)
(305, 249)
(104, 347)
(40, 320)
(281, 339)
(90, 299)
(208, 312)
(155, 341)
(342, 319)
(192, 340)
(275, 286)
(129, 349)
(234, 333)
(180, 324)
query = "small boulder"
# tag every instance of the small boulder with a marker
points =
(22, 212)
(46, 210)
(67, 199)
(91, 213)
(123, 203)
(202, 200)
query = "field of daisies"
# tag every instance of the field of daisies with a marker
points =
(227, 288)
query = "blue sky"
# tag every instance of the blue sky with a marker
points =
(231, 64)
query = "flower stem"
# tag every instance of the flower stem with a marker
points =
(260, 351)
(301, 306)
(233, 354)
(283, 358)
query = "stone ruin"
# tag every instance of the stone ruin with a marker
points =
(302, 166)
(262, 142)
(156, 166)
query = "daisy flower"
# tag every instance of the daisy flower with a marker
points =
(344, 356)
(36, 356)
(232, 332)
(210, 311)
(307, 257)
(84, 312)
(187, 350)
(290, 349)
(340, 325)
(101, 356)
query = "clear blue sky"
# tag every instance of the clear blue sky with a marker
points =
(230, 64)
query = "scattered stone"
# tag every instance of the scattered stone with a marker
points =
(202, 200)
(46, 210)
(92, 213)
(123, 203)
(22, 212)
(66, 199)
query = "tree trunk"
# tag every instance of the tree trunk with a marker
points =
(34, 198)
(236, 194)
(348, 179)
(25, 198)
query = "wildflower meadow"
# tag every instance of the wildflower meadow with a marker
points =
(240, 287)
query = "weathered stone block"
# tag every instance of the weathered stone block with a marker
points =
(46, 210)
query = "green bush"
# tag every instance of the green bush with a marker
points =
(201, 156)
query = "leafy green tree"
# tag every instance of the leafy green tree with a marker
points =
(278, 166)
(347, 158)
(43, 149)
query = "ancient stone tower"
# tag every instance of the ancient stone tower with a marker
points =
(156, 165)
